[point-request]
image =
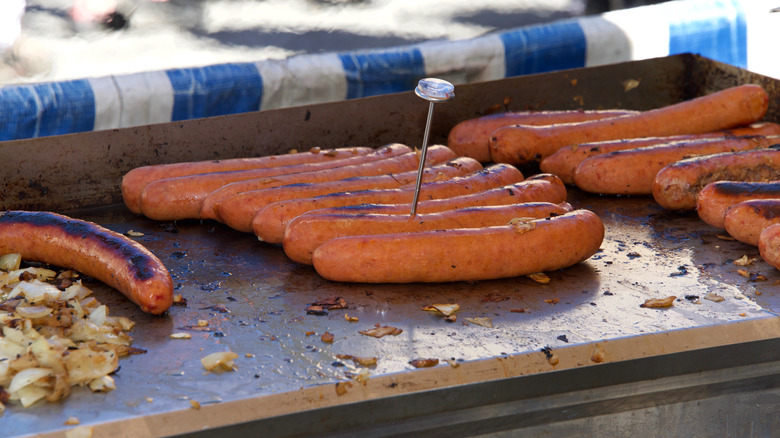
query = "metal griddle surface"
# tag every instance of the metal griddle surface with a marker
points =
(647, 253)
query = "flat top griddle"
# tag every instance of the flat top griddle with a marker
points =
(255, 301)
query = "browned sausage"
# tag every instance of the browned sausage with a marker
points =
(716, 198)
(405, 162)
(769, 245)
(467, 254)
(308, 231)
(181, 197)
(676, 186)
(565, 160)
(134, 181)
(735, 106)
(90, 249)
(470, 137)
(632, 172)
(746, 220)
(238, 210)
(270, 222)
(270, 227)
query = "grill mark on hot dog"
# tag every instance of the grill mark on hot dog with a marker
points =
(737, 188)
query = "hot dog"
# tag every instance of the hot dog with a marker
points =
(746, 220)
(735, 106)
(470, 137)
(716, 198)
(405, 162)
(134, 181)
(237, 211)
(270, 222)
(676, 186)
(565, 160)
(181, 197)
(270, 227)
(308, 231)
(769, 245)
(471, 254)
(90, 249)
(632, 172)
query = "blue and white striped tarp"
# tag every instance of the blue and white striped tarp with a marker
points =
(718, 29)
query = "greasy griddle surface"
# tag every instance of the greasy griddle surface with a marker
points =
(255, 301)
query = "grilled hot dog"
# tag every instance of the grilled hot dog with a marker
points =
(182, 197)
(136, 180)
(746, 220)
(716, 198)
(470, 137)
(769, 245)
(632, 172)
(565, 160)
(306, 232)
(238, 211)
(405, 162)
(735, 106)
(676, 186)
(521, 248)
(90, 249)
(270, 226)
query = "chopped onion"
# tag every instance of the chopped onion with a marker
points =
(33, 311)
(26, 377)
(10, 262)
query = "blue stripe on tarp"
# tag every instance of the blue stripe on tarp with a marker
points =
(375, 73)
(40, 110)
(215, 90)
(538, 49)
(715, 29)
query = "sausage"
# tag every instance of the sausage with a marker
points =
(409, 161)
(746, 220)
(565, 160)
(769, 245)
(134, 181)
(632, 172)
(237, 211)
(735, 106)
(716, 198)
(181, 197)
(676, 186)
(91, 249)
(269, 227)
(308, 231)
(470, 137)
(271, 221)
(467, 254)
